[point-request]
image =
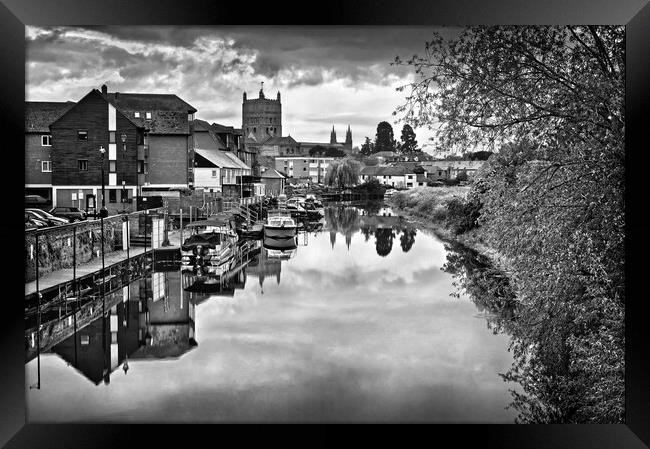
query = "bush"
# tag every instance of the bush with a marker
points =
(462, 215)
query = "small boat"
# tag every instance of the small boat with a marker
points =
(279, 225)
(253, 231)
(211, 242)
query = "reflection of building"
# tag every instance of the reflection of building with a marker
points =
(166, 325)
(153, 320)
(99, 348)
(264, 267)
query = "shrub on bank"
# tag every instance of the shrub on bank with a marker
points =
(434, 204)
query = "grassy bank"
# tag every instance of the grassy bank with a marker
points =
(430, 208)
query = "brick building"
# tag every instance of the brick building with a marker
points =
(147, 143)
(38, 145)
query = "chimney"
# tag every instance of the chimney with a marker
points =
(104, 89)
(116, 94)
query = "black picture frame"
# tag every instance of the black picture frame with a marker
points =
(635, 14)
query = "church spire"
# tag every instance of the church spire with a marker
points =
(262, 90)
(348, 137)
(333, 136)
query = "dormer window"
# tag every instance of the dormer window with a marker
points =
(148, 114)
(137, 115)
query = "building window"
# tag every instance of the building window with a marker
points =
(148, 115)
(254, 129)
(140, 167)
(46, 140)
(146, 168)
(304, 169)
(112, 196)
(136, 115)
(111, 137)
(124, 196)
(46, 166)
(214, 173)
(190, 117)
(111, 166)
(82, 164)
(82, 135)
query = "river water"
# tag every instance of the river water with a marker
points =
(359, 323)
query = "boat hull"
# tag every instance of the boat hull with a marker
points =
(282, 232)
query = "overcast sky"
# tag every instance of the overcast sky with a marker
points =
(328, 76)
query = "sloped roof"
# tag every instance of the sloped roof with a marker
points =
(384, 170)
(220, 159)
(40, 114)
(277, 140)
(268, 172)
(237, 161)
(421, 178)
(385, 154)
(168, 111)
(462, 165)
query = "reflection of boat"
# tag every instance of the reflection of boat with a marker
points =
(279, 225)
(282, 254)
(211, 242)
(279, 243)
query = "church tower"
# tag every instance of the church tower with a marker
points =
(261, 117)
(348, 138)
(333, 136)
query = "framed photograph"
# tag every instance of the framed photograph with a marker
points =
(416, 213)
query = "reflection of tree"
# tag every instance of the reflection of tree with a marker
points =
(372, 207)
(551, 390)
(367, 232)
(384, 241)
(344, 220)
(407, 239)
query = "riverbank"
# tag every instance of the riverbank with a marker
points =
(428, 207)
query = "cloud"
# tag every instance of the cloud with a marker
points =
(327, 75)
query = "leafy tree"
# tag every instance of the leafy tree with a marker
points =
(343, 173)
(408, 143)
(368, 147)
(549, 101)
(478, 155)
(317, 150)
(462, 176)
(384, 139)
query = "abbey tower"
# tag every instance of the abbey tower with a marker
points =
(261, 118)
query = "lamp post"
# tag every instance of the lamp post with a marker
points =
(123, 196)
(103, 212)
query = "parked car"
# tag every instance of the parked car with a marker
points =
(36, 201)
(390, 192)
(50, 219)
(71, 213)
(32, 222)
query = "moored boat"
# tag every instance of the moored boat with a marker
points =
(211, 242)
(279, 225)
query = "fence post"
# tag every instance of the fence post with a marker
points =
(74, 258)
(181, 224)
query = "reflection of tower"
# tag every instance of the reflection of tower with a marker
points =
(265, 267)
(332, 238)
(348, 239)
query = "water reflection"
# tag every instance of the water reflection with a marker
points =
(322, 331)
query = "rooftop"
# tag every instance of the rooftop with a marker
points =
(169, 114)
(40, 114)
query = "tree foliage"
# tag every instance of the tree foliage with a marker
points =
(320, 150)
(408, 144)
(368, 147)
(343, 173)
(384, 139)
(549, 101)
